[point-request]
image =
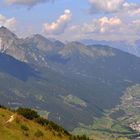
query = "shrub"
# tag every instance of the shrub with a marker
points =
(84, 137)
(59, 134)
(3, 107)
(66, 132)
(27, 113)
(42, 121)
(38, 133)
(55, 127)
(24, 127)
(51, 125)
(25, 133)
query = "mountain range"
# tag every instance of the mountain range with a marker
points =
(130, 47)
(71, 83)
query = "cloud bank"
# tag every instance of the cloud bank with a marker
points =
(105, 5)
(28, 3)
(59, 25)
(8, 22)
(112, 20)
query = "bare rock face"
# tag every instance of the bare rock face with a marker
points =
(41, 43)
(37, 49)
(77, 47)
(28, 50)
(10, 44)
(31, 49)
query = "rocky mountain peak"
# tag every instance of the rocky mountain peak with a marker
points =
(72, 47)
(39, 37)
(10, 44)
(6, 33)
(37, 49)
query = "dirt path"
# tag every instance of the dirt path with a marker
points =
(12, 118)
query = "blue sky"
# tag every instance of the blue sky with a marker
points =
(73, 20)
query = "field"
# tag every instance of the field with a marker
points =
(121, 122)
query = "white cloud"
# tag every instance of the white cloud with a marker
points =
(59, 25)
(105, 5)
(114, 6)
(128, 5)
(107, 24)
(105, 28)
(129, 10)
(135, 12)
(109, 21)
(26, 2)
(8, 22)
(137, 22)
(99, 26)
(120, 23)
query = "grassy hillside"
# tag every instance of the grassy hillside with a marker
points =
(21, 129)
(26, 124)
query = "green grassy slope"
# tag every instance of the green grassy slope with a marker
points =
(21, 129)
(25, 123)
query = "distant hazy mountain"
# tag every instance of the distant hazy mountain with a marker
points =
(122, 45)
(73, 83)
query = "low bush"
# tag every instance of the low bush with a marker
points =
(84, 137)
(24, 127)
(27, 113)
(38, 133)
(42, 121)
